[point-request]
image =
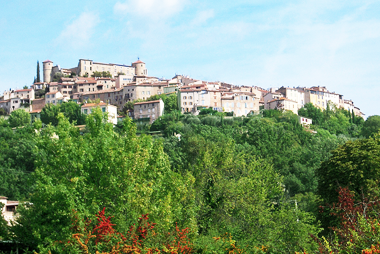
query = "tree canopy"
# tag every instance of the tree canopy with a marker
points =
(19, 117)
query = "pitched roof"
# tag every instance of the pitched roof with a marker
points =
(89, 105)
(47, 61)
(35, 111)
(24, 90)
(146, 102)
(138, 61)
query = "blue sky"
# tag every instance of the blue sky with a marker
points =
(265, 43)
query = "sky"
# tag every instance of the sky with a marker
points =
(265, 43)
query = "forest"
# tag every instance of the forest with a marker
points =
(205, 184)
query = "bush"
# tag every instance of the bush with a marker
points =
(211, 120)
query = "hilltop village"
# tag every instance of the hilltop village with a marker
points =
(217, 167)
(111, 86)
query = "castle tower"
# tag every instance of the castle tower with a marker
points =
(140, 69)
(48, 66)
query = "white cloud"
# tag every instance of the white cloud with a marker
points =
(154, 9)
(79, 32)
(202, 17)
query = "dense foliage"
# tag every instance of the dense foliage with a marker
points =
(71, 110)
(259, 178)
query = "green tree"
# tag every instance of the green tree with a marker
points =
(371, 126)
(129, 105)
(127, 174)
(171, 103)
(355, 165)
(57, 77)
(49, 114)
(19, 117)
(38, 79)
(310, 111)
(72, 111)
(25, 87)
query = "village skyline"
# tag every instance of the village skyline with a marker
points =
(290, 44)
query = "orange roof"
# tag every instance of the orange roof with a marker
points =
(35, 111)
(24, 90)
(89, 105)
(147, 102)
(52, 92)
(138, 61)
(47, 61)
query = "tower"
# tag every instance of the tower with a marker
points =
(48, 66)
(140, 69)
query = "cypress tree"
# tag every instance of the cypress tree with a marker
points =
(38, 72)
(353, 116)
(349, 116)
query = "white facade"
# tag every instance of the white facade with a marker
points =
(110, 109)
(283, 104)
(53, 98)
(240, 103)
(293, 94)
(305, 121)
(271, 96)
(9, 208)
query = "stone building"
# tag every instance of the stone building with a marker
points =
(149, 109)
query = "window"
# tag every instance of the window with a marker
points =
(190, 103)
(203, 102)
(245, 104)
(153, 109)
(251, 105)
(48, 96)
(52, 96)
(190, 97)
(11, 208)
(140, 111)
(184, 97)
(104, 109)
(148, 92)
(232, 105)
(53, 101)
(184, 103)
(142, 92)
(149, 110)
(238, 105)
